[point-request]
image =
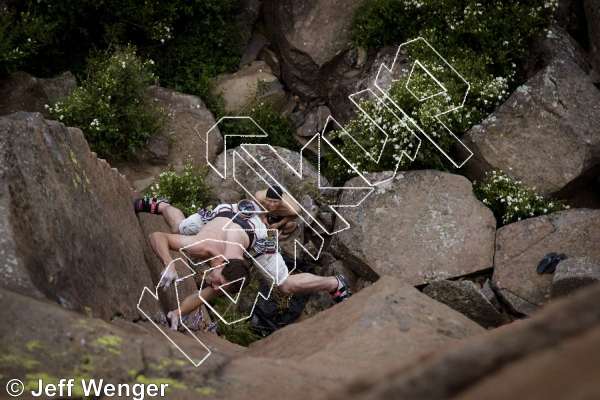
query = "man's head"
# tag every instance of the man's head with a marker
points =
(232, 271)
(273, 197)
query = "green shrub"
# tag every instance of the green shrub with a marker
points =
(497, 30)
(486, 93)
(111, 106)
(191, 41)
(21, 36)
(186, 190)
(483, 41)
(240, 333)
(511, 201)
(277, 126)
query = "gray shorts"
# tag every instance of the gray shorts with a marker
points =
(272, 266)
(191, 225)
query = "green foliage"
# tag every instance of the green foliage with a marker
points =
(486, 93)
(497, 30)
(191, 41)
(240, 333)
(186, 190)
(483, 41)
(277, 126)
(21, 36)
(111, 107)
(512, 201)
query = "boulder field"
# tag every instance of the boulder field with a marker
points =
(76, 259)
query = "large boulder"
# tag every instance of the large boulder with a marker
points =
(183, 139)
(69, 345)
(22, 92)
(592, 15)
(522, 245)
(554, 355)
(228, 190)
(385, 324)
(545, 134)
(468, 298)
(573, 274)
(68, 231)
(252, 83)
(313, 41)
(420, 227)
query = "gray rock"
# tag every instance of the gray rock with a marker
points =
(311, 38)
(546, 133)
(68, 230)
(68, 343)
(556, 43)
(573, 274)
(387, 323)
(253, 49)
(466, 297)
(229, 190)
(188, 121)
(249, 12)
(520, 247)
(314, 122)
(22, 92)
(420, 227)
(254, 82)
(592, 14)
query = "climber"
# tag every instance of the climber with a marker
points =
(229, 232)
(282, 212)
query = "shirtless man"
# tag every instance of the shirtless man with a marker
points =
(282, 212)
(203, 238)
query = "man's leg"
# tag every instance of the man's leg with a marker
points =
(172, 215)
(308, 283)
(189, 304)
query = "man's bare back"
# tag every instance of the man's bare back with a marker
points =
(220, 236)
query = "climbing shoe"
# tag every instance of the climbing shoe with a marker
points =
(147, 204)
(343, 290)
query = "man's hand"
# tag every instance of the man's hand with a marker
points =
(169, 274)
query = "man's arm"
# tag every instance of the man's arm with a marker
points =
(283, 221)
(162, 243)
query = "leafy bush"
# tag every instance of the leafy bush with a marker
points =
(21, 35)
(484, 41)
(111, 107)
(190, 41)
(486, 93)
(277, 126)
(240, 333)
(497, 30)
(511, 201)
(186, 190)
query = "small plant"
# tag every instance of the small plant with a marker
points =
(186, 190)
(278, 127)
(111, 106)
(240, 333)
(512, 201)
